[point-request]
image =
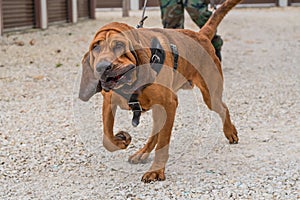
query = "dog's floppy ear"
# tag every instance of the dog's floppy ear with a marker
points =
(89, 85)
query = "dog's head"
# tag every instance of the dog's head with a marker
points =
(112, 60)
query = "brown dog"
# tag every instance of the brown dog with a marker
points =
(142, 69)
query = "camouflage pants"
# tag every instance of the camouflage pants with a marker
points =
(172, 14)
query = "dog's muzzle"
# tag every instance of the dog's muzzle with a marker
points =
(111, 78)
(103, 66)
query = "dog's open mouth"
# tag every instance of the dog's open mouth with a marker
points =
(114, 80)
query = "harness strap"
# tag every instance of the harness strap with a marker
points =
(136, 108)
(134, 104)
(158, 55)
(158, 58)
(156, 62)
(175, 54)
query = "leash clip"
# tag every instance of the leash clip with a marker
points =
(141, 23)
(155, 59)
(135, 106)
(137, 111)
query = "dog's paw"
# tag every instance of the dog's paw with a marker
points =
(122, 139)
(232, 136)
(139, 157)
(157, 175)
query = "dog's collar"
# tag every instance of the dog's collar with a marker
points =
(134, 103)
(136, 108)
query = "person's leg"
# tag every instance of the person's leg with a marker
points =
(217, 42)
(198, 11)
(172, 13)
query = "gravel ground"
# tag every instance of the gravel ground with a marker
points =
(51, 142)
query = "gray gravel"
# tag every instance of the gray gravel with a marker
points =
(50, 142)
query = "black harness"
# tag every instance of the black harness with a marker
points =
(136, 109)
(158, 56)
(157, 59)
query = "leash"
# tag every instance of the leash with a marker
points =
(133, 101)
(214, 3)
(141, 23)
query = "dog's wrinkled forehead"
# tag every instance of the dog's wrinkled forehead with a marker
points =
(108, 37)
(115, 30)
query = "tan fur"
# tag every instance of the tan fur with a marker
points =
(197, 65)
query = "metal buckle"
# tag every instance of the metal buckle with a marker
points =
(155, 59)
(135, 106)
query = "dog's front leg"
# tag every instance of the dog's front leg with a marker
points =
(110, 141)
(163, 122)
(141, 156)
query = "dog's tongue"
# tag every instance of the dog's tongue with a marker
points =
(117, 77)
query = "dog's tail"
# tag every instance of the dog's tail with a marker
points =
(209, 29)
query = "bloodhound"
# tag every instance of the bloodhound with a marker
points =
(142, 69)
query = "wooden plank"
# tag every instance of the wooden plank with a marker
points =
(83, 8)
(109, 4)
(92, 9)
(1, 19)
(18, 13)
(57, 11)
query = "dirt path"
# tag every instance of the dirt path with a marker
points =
(49, 149)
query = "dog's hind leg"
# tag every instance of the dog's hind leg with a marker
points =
(228, 128)
(214, 102)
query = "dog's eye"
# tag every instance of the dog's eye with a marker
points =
(119, 46)
(96, 48)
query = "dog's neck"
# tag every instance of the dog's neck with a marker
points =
(145, 76)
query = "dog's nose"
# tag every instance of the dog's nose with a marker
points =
(103, 66)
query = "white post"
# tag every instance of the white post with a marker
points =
(44, 14)
(74, 11)
(126, 7)
(283, 3)
(134, 5)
